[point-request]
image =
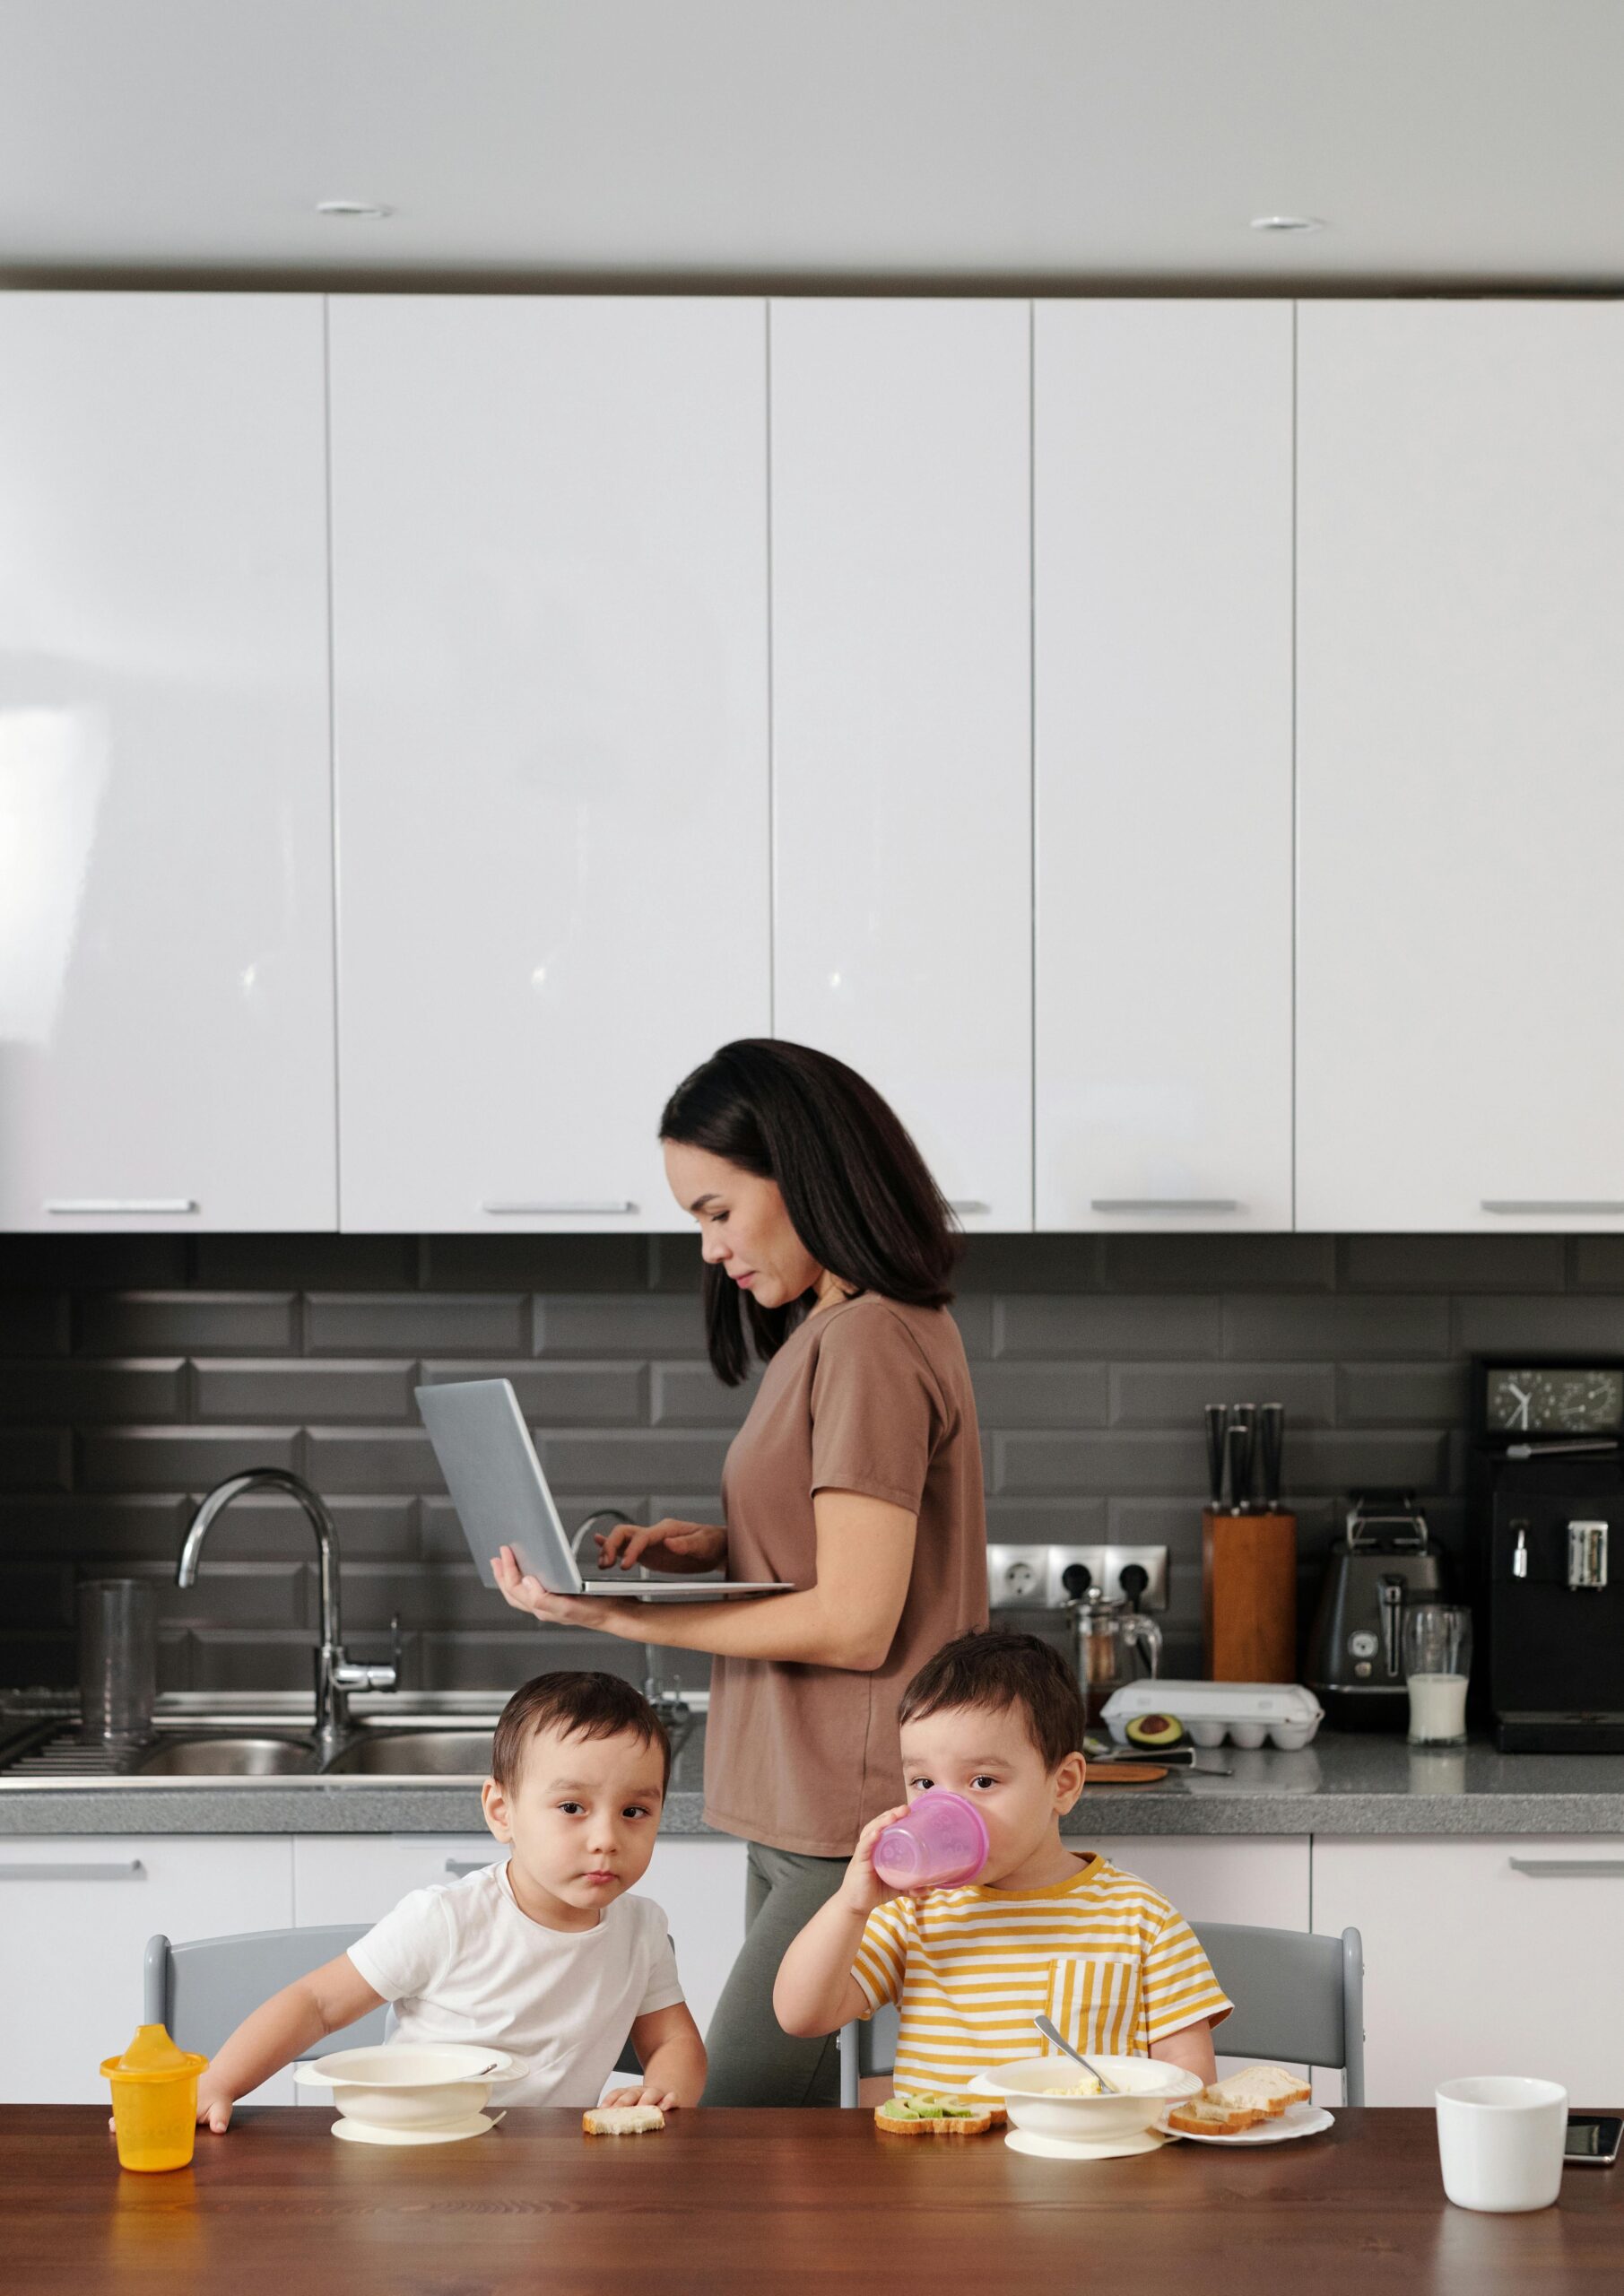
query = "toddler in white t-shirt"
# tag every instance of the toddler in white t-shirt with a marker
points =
(543, 1955)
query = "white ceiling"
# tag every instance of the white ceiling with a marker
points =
(1445, 142)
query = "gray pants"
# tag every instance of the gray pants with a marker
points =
(753, 2061)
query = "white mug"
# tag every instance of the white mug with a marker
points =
(1499, 2142)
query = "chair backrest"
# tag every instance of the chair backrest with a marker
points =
(1298, 1998)
(204, 1988)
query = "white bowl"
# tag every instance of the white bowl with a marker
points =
(410, 2085)
(1147, 2088)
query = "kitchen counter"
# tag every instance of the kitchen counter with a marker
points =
(1343, 1784)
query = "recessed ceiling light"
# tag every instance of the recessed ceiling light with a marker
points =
(1287, 223)
(366, 211)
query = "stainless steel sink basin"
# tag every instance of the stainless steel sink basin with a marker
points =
(230, 1756)
(415, 1754)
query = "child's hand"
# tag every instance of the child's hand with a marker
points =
(213, 2106)
(666, 2099)
(862, 1890)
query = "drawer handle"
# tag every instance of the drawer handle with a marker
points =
(1528, 1206)
(1163, 1204)
(461, 1866)
(100, 1206)
(127, 1869)
(967, 1203)
(1559, 1868)
(522, 1211)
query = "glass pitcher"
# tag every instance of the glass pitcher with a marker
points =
(1111, 1645)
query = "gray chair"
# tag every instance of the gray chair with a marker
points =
(1299, 1998)
(203, 1989)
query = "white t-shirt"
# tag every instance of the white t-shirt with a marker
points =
(464, 1963)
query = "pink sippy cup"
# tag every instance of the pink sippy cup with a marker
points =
(940, 1845)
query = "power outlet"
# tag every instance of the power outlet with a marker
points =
(1029, 1577)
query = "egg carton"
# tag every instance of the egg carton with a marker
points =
(1284, 1714)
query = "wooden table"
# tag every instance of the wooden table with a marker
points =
(762, 2200)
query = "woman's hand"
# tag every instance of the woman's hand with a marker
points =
(862, 1890)
(668, 1546)
(667, 2099)
(526, 1594)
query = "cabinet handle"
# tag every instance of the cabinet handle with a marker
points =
(461, 1866)
(103, 1204)
(1163, 1204)
(1601, 1206)
(126, 1869)
(522, 1210)
(1561, 1868)
(967, 1203)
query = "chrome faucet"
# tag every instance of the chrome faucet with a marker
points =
(337, 1674)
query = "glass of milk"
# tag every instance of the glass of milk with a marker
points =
(1437, 1659)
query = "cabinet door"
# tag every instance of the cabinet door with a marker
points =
(1483, 1956)
(76, 1913)
(1460, 739)
(901, 705)
(166, 877)
(1162, 547)
(549, 533)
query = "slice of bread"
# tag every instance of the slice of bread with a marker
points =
(1199, 2117)
(932, 2115)
(623, 2120)
(1261, 2087)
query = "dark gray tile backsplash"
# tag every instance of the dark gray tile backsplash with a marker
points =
(135, 1372)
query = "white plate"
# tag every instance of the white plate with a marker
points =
(1058, 2148)
(1297, 2120)
(362, 2132)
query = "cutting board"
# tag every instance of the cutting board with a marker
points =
(1125, 1773)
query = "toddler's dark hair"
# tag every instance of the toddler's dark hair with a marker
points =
(993, 1668)
(581, 1705)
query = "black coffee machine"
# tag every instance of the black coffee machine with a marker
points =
(1546, 1487)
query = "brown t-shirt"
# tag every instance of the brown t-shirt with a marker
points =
(875, 1397)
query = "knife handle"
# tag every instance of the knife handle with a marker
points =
(1243, 1431)
(1272, 1433)
(1216, 1415)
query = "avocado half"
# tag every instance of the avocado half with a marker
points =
(1154, 1730)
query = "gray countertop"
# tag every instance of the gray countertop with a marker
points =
(1341, 1785)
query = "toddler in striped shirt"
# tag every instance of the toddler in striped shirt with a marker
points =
(998, 1718)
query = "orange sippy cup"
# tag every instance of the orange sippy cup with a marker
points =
(154, 2100)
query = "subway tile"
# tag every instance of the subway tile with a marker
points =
(1219, 1263)
(38, 1596)
(1069, 1521)
(1106, 1463)
(186, 1323)
(1041, 1394)
(180, 1459)
(104, 1263)
(531, 1263)
(1597, 1263)
(426, 1595)
(267, 1526)
(499, 1661)
(33, 1323)
(45, 1659)
(381, 1460)
(690, 1395)
(1031, 1264)
(645, 1324)
(83, 1392)
(1468, 1262)
(100, 1533)
(1545, 1325)
(417, 1323)
(635, 1457)
(34, 1459)
(319, 1262)
(561, 1394)
(235, 1594)
(252, 1388)
(1402, 1394)
(1174, 1523)
(1161, 1394)
(1110, 1325)
(1335, 1461)
(972, 1311)
(268, 1658)
(674, 1264)
(1274, 1325)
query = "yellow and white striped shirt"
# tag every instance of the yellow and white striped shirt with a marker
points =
(1102, 1955)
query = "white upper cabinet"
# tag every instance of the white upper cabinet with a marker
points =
(166, 924)
(1461, 765)
(901, 638)
(550, 539)
(1162, 547)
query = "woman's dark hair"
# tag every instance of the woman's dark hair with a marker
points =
(858, 1192)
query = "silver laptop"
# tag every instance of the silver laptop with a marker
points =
(501, 1497)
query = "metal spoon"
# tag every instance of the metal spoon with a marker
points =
(1046, 2026)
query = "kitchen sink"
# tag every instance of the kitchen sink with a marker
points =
(414, 1753)
(230, 1756)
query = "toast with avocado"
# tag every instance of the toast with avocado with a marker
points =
(926, 2115)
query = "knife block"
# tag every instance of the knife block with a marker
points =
(1248, 1596)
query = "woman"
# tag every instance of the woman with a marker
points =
(856, 1477)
